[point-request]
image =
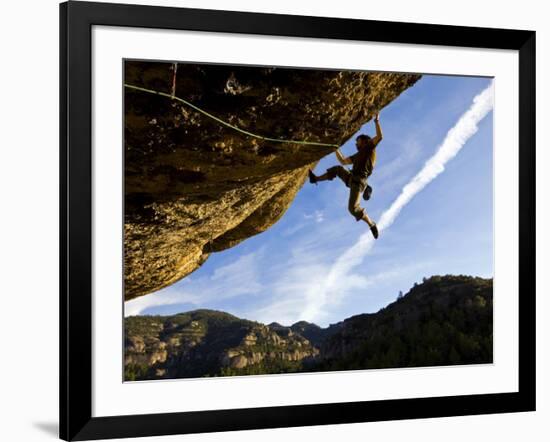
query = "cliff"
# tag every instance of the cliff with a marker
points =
(194, 187)
(209, 343)
(445, 320)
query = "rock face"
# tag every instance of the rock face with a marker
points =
(209, 343)
(194, 186)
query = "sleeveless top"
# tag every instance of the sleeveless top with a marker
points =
(363, 163)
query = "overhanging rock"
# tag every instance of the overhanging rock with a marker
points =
(194, 187)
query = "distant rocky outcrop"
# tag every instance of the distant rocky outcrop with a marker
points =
(194, 187)
(445, 320)
(209, 343)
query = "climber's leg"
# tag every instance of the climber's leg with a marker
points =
(372, 225)
(338, 171)
(353, 203)
(374, 230)
(312, 177)
(330, 174)
(356, 189)
(366, 218)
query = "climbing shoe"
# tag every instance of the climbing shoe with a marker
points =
(312, 177)
(374, 231)
(367, 193)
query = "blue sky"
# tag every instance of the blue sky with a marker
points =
(446, 228)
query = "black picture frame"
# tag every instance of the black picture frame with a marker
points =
(76, 21)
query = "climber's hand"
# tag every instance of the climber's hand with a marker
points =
(378, 136)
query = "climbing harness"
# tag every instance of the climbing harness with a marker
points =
(225, 123)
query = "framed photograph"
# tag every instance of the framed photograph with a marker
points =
(273, 220)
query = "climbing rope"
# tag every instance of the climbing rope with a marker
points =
(174, 76)
(225, 123)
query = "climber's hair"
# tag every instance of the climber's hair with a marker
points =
(366, 138)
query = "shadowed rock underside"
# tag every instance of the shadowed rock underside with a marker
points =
(194, 187)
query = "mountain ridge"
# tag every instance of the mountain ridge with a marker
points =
(445, 320)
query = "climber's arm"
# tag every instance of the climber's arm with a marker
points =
(343, 160)
(378, 136)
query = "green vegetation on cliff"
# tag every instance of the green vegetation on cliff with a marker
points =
(445, 320)
(208, 343)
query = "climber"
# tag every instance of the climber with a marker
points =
(363, 164)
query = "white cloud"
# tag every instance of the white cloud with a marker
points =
(169, 296)
(456, 138)
(318, 216)
(240, 277)
(309, 281)
(301, 285)
(328, 285)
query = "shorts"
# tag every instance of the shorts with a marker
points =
(356, 188)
